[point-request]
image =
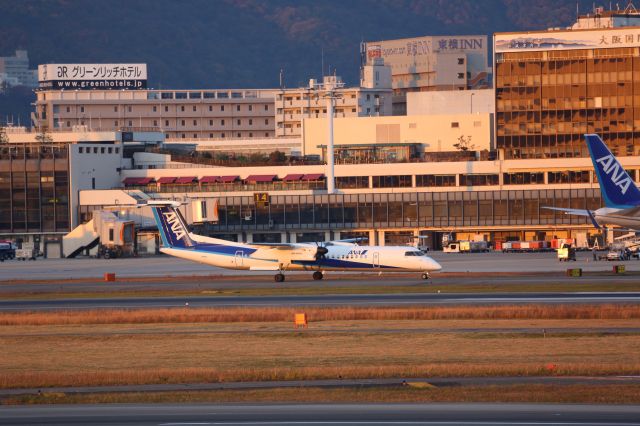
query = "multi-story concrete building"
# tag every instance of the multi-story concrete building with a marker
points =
(294, 105)
(14, 70)
(430, 63)
(451, 102)
(554, 86)
(179, 114)
(427, 134)
(40, 178)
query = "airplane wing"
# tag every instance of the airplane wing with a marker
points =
(350, 240)
(287, 252)
(577, 212)
(275, 246)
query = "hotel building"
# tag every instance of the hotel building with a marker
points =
(179, 114)
(554, 86)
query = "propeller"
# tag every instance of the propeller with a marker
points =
(321, 251)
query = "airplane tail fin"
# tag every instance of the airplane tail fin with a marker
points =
(617, 187)
(172, 226)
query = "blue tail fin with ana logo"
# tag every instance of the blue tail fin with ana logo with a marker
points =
(617, 187)
(172, 226)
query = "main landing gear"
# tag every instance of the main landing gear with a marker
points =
(425, 276)
(279, 277)
(317, 275)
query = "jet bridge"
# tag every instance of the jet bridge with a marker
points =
(104, 233)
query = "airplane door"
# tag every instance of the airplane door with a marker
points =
(239, 259)
(376, 259)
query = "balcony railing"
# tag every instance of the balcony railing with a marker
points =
(230, 187)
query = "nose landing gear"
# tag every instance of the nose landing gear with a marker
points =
(317, 275)
(279, 277)
(425, 276)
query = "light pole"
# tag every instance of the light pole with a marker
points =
(330, 86)
(471, 103)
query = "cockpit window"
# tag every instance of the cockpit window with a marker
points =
(414, 253)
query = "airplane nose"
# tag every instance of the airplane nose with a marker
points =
(433, 265)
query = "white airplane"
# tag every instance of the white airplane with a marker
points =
(342, 255)
(620, 194)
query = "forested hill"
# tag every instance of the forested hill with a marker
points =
(244, 43)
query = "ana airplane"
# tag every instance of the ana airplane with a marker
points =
(620, 194)
(342, 255)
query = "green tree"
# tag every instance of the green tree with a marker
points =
(464, 144)
(43, 136)
(277, 157)
(222, 156)
(257, 157)
(3, 135)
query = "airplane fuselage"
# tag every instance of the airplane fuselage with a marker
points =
(338, 258)
(611, 216)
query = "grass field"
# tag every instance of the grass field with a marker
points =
(208, 345)
(275, 314)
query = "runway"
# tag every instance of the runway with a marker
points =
(301, 282)
(326, 300)
(324, 414)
